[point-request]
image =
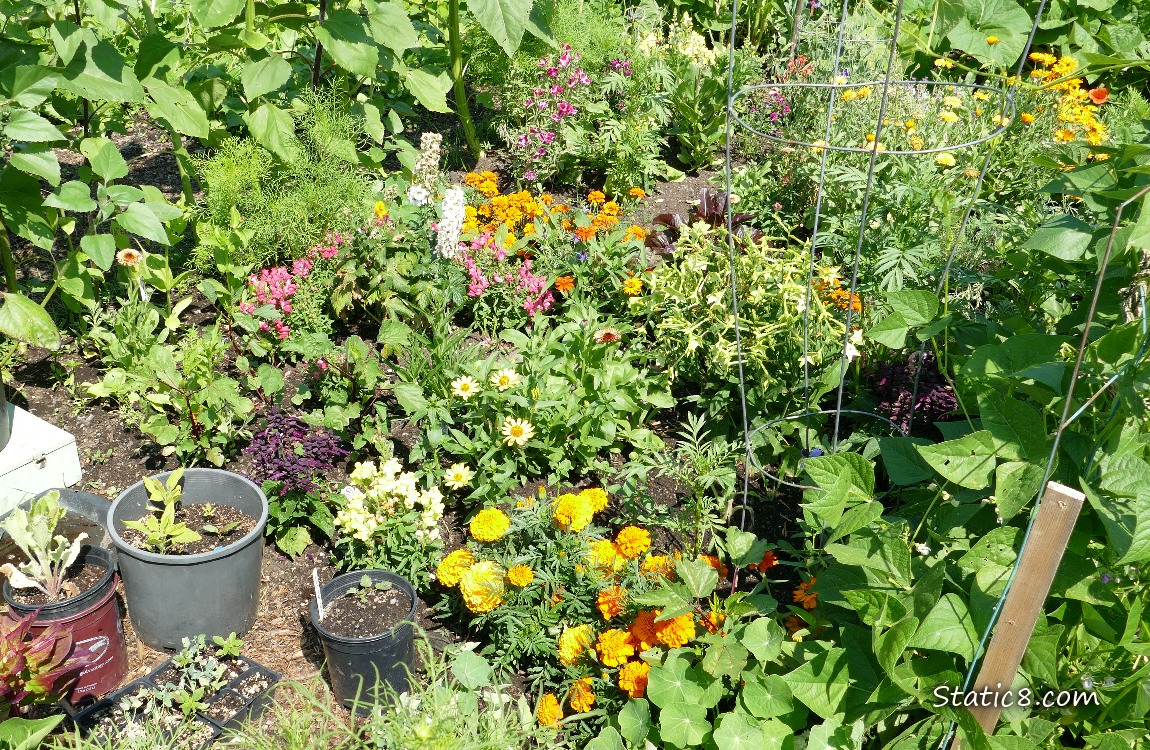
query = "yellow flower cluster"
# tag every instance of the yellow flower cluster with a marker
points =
(574, 512)
(452, 567)
(489, 525)
(520, 575)
(377, 495)
(632, 541)
(1077, 106)
(581, 697)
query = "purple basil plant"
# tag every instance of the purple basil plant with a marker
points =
(290, 451)
(893, 385)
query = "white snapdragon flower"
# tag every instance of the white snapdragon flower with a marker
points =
(418, 195)
(450, 222)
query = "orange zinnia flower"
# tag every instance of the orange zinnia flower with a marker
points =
(1100, 95)
(803, 595)
(565, 284)
(584, 233)
(769, 561)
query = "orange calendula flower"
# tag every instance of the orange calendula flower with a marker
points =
(633, 541)
(565, 284)
(573, 643)
(675, 632)
(1100, 95)
(637, 193)
(614, 647)
(804, 596)
(715, 563)
(633, 678)
(643, 630)
(1026, 117)
(581, 698)
(769, 561)
(595, 197)
(520, 575)
(489, 525)
(452, 567)
(549, 711)
(1063, 135)
(610, 601)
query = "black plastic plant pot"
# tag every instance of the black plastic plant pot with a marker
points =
(360, 667)
(172, 597)
(94, 622)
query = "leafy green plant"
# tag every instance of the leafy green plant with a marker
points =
(367, 590)
(49, 555)
(160, 529)
(36, 667)
(26, 734)
(228, 647)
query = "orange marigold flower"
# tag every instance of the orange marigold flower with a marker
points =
(659, 565)
(614, 647)
(596, 496)
(583, 234)
(633, 541)
(643, 630)
(581, 698)
(803, 595)
(452, 567)
(605, 556)
(633, 678)
(713, 621)
(675, 632)
(610, 208)
(595, 197)
(520, 575)
(715, 563)
(489, 525)
(565, 284)
(794, 624)
(549, 711)
(572, 643)
(1100, 95)
(610, 601)
(637, 193)
(769, 561)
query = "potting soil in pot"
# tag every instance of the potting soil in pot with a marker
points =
(78, 579)
(202, 519)
(348, 617)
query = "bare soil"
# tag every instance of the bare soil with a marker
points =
(350, 617)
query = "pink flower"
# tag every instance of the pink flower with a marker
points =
(552, 72)
(557, 89)
(530, 174)
(247, 307)
(321, 364)
(547, 137)
(522, 141)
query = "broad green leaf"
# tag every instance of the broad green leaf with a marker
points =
(856, 518)
(345, 38)
(968, 461)
(504, 20)
(903, 463)
(38, 160)
(875, 606)
(995, 548)
(26, 734)
(764, 638)
(23, 209)
(607, 739)
(891, 644)
(765, 696)
(684, 725)
(212, 13)
(472, 670)
(294, 541)
(157, 59)
(429, 87)
(72, 196)
(948, 627)
(985, 19)
(178, 108)
(104, 158)
(390, 26)
(24, 320)
(99, 71)
(733, 732)
(822, 683)
(891, 331)
(139, 219)
(635, 720)
(724, 657)
(27, 85)
(1018, 429)
(1063, 236)
(260, 77)
(699, 577)
(916, 307)
(1015, 485)
(30, 127)
(825, 471)
(1127, 524)
(273, 129)
(101, 248)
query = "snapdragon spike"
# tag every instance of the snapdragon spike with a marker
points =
(289, 451)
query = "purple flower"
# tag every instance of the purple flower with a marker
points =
(1105, 578)
(812, 453)
(583, 256)
(530, 175)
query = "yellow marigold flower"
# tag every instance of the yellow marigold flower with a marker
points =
(633, 541)
(520, 575)
(516, 432)
(380, 209)
(633, 678)
(660, 565)
(1063, 135)
(1026, 117)
(452, 567)
(482, 586)
(635, 232)
(614, 647)
(571, 513)
(489, 525)
(643, 630)
(944, 160)
(948, 117)
(572, 644)
(632, 286)
(992, 40)
(676, 632)
(637, 193)
(803, 595)
(549, 711)
(605, 556)
(465, 387)
(596, 496)
(944, 62)
(610, 601)
(595, 197)
(581, 698)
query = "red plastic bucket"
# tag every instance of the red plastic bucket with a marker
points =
(94, 620)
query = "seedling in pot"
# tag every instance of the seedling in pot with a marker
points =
(367, 589)
(160, 529)
(49, 556)
(207, 510)
(208, 528)
(228, 647)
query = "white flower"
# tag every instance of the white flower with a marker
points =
(418, 195)
(922, 549)
(352, 493)
(450, 222)
(852, 348)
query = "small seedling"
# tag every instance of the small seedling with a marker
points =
(228, 647)
(160, 529)
(207, 510)
(367, 588)
(214, 531)
(190, 701)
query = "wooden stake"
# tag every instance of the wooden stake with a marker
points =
(1057, 513)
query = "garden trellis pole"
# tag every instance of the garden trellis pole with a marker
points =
(1057, 513)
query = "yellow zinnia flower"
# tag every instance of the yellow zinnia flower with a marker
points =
(632, 286)
(458, 476)
(465, 387)
(517, 432)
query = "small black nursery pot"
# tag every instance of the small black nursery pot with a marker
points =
(172, 597)
(360, 666)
